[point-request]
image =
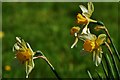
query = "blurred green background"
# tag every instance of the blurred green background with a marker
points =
(46, 27)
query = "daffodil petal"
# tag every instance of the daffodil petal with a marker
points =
(101, 39)
(83, 8)
(88, 31)
(97, 56)
(30, 49)
(90, 8)
(90, 36)
(76, 40)
(18, 39)
(29, 67)
(84, 31)
(15, 47)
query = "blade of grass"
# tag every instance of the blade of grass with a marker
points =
(89, 74)
(109, 67)
(105, 72)
(110, 64)
(113, 59)
(98, 75)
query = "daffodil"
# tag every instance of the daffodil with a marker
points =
(75, 31)
(24, 54)
(84, 18)
(92, 44)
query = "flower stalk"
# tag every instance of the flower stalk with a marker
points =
(47, 61)
(113, 58)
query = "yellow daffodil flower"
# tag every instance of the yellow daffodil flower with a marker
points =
(24, 54)
(93, 44)
(85, 17)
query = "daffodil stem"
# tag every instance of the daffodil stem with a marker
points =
(105, 72)
(118, 56)
(50, 65)
(98, 75)
(113, 58)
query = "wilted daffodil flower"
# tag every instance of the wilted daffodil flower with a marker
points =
(84, 18)
(24, 54)
(93, 44)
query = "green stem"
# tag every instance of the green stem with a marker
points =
(108, 66)
(106, 74)
(113, 58)
(50, 65)
(99, 75)
(118, 56)
(106, 31)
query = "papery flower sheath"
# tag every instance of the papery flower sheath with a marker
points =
(24, 54)
(92, 44)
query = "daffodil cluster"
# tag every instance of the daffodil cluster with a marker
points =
(92, 43)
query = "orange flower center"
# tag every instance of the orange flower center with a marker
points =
(89, 45)
(23, 56)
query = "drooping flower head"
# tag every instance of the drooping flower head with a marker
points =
(84, 18)
(24, 54)
(92, 44)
